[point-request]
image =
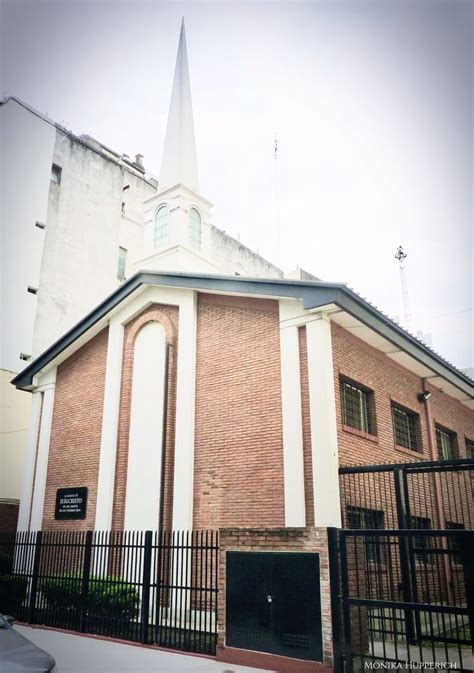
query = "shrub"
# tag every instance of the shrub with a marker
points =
(12, 593)
(6, 563)
(108, 597)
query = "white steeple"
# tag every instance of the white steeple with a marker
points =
(179, 160)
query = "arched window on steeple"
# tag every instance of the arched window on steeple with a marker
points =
(195, 228)
(162, 226)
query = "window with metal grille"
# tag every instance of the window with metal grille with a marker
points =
(447, 443)
(122, 260)
(195, 228)
(453, 541)
(406, 428)
(357, 405)
(359, 517)
(162, 225)
(469, 448)
(421, 542)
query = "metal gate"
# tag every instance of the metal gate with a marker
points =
(403, 596)
(273, 603)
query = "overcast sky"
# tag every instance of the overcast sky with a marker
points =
(371, 103)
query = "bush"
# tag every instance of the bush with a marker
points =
(6, 563)
(12, 593)
(108, 597)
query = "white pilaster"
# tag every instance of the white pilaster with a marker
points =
(110, 417)
(142, 501)
(183, 489)
(322, 402)
(29, 467)
(47, 386)
(293, 462)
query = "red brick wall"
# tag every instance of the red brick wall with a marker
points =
(168, 316)
(359, 361)
(76, 429)
(238, 443)
(8, 517)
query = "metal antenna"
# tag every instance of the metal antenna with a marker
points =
(401, 255)
(277, 196)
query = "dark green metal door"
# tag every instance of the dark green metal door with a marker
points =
(273, 603)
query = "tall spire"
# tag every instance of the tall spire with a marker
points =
(179, 160)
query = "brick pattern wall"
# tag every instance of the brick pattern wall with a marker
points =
(8, 516)
(357, 360)
(168, 316)
(283, 540)
(238, 432)
(306, 420)
(76, 429)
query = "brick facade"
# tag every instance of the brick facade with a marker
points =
(76, 429)
(238, 440)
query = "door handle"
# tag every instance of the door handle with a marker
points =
(269, 598)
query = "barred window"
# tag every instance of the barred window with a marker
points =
(447, 443)
(195, 228)
(469, 448)
(358, 517)
(421, 542)
(453, 540)
(406, 425)
(357, 405)
(162, 225)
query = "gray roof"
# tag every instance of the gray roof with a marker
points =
(314, 294)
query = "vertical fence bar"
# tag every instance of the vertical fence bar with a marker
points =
(86, 571)
(34, 579)
(404, 553)
(345, 604)
(146, 580)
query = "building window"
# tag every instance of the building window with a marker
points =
(421, 542)
(56, 173)
(447, 443)
(406, 428)
(453, 540)
(469, 448)
(162, 225)
(358, 517)
(357, 405)
(195, 228)
(122, 261)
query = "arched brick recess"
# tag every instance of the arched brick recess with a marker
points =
(168, 316)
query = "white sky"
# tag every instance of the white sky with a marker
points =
(371, 102)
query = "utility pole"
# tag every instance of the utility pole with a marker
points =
(401, 255)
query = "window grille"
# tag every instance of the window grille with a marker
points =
(406, 428)
(469, 448)
(195, 228)
(358, 517)
(357, 407)
(446, 441)
(162, 225)
(421, 542)
(453, 542)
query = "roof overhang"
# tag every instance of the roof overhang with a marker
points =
(348, 310)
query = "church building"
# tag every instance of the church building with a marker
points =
(208, 391)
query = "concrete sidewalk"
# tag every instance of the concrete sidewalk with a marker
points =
(80, 654)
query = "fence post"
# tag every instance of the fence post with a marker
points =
(334, 587)
(146, 580)
(34, 579)
(86, 571)
(403, 548)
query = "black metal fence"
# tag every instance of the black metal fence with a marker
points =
(403, 596)
(144, 586)
(422, 495)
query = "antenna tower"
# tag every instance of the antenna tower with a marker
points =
(401, 255)
(277, 196)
